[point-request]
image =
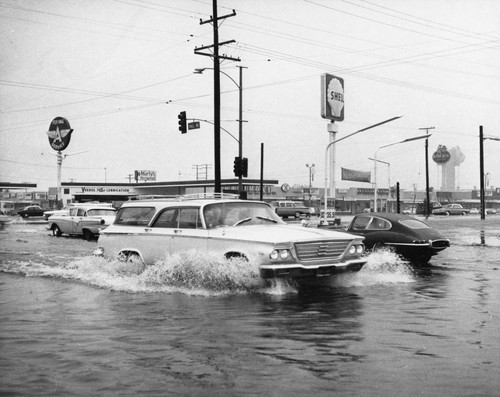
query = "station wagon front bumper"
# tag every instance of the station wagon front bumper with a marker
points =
(299, 271)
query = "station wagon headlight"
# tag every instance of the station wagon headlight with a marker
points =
(282, 254)
(356, 249)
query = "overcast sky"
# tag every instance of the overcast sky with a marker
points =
(120, 71)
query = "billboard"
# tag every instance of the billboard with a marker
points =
(145, 175)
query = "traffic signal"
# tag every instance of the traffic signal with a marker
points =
(244, 167)
(240, 166)
(237, 166)
(182, 122)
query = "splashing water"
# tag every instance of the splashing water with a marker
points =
(197, 273)
(383, 267)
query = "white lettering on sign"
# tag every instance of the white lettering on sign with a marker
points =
(336, 97)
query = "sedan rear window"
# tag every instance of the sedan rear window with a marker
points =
(414, 224)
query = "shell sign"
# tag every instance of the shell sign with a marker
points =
(59, 133)
(332, 97)
(441, 155)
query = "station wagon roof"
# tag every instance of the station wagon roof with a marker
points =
(160, 203)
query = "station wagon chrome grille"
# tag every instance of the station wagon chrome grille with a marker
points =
(321, 250)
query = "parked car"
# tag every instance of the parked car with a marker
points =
(474, 211)
(491, 211)
(232, 228)
(65, 209)
(30, 211)
(406, 235)
(86, 221)
(451, 209)
(289, 208)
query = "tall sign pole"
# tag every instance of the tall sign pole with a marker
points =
(332, 108)
(59, 134)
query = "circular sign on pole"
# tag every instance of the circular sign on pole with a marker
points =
(332, 97)
(441, 155)
(59, 133)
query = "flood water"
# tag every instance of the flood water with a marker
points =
(75, 325)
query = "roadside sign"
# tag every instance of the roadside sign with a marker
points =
(59, 133)
(193, 125)
(332, 97)
(328, 215)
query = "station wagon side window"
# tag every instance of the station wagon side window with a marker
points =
(80, 212)
(179, 218)
(73, 212)
(134, 216)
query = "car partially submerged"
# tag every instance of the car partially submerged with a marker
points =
(406, 235)
(149, 230)
(82, 220)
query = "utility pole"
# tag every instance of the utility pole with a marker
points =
(204, 168)
(214, 20)
(427, 196)
(481, 171)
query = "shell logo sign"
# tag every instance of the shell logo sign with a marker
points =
(59, 133)
(441, 155)
(332, 97)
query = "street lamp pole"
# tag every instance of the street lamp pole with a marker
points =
(341, 139)
(240, 114)
(388, 178)
(311, 178)
(375, 164)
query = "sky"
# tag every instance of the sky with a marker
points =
(120, 71)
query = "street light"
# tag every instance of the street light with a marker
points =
(388, 178)
(312, 171)
(240, 114)
(375, 163)
(341, 139)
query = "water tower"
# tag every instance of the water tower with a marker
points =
(448, 160)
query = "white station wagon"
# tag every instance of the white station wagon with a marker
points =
(83, 220)
(233, 228)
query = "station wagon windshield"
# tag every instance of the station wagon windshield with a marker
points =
(239, 213)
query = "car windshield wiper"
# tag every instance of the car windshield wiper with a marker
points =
(242, 221)
(267, 219)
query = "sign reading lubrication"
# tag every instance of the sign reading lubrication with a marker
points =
(59, 133)
(332, 97)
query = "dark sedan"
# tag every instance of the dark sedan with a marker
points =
(32, 210)
(407, 236)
